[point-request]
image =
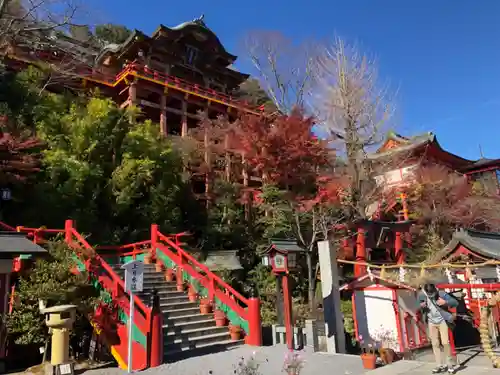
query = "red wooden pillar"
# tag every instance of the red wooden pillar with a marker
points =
(156, 344)
(287, 312)
(398, 248)
(254, 336)
(68, 231)
(178, 276)
(154, 239)
(359, 269)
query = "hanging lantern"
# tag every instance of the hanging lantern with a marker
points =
(402, 274)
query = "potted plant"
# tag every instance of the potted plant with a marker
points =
(235, 332)
(169, 274)
(148, 258)
(386, 340)
(220, 318)
(181, 286)
(368, 356)
(293, 363)
(205, 306)
(192, 294)
(159, 265)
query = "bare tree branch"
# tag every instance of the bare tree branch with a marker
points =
(352, 110)
(285, 69)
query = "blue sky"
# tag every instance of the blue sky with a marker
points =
(442, 57)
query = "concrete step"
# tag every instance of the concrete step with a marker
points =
(186, 318)
(180, 312)
(172, 306)
(177, 327)
(190, 334)
(183, 343)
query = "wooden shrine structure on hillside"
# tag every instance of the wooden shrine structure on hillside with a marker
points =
(171, 75)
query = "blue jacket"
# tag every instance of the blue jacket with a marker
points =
(450, 303)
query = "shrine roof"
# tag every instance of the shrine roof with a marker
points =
(396, 144)
(16, 243)
(223, 260)
(194, 26)
(481, 164)
(486, 244)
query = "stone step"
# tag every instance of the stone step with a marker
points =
(181, 343)
(172, 306)
(163, 294)
(180, 312)
(165, 298)
(177, 326)
(186, 318)
(147, 267)
(149, 273)
(191, 334)
(174, 355)
(156, 284)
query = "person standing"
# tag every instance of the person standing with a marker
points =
(435, 305)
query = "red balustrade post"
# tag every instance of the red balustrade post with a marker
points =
(179, 278)
(360, 269)
(154, 238)
(254, 336)
(398, 248)
(68, 231)
(211, 288)
(156, 348)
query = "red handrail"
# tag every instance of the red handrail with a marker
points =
(211, 276)
(7, 226)
(138, 68)
(119, 247)
(112, 274)
(137, 248)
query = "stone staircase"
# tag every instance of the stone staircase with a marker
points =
(186, 332)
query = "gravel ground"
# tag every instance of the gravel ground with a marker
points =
(270, 359)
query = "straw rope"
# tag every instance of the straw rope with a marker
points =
(484, 330)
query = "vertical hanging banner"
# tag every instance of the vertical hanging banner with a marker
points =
(134, 280)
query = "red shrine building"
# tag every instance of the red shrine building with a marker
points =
(385, 236)
(172, 75)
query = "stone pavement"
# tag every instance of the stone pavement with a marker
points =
(473, 357)
(425, 368)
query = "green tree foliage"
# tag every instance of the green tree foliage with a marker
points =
(226, 227)
(252, 92)
(111, 33)
(114, 174)
(50, 280)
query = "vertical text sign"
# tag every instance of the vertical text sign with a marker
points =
(134, 276)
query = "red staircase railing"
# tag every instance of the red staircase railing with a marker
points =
(246, 308)
(112, 283)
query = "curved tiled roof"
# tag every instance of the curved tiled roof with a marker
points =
(486, 244)
(197, 23)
